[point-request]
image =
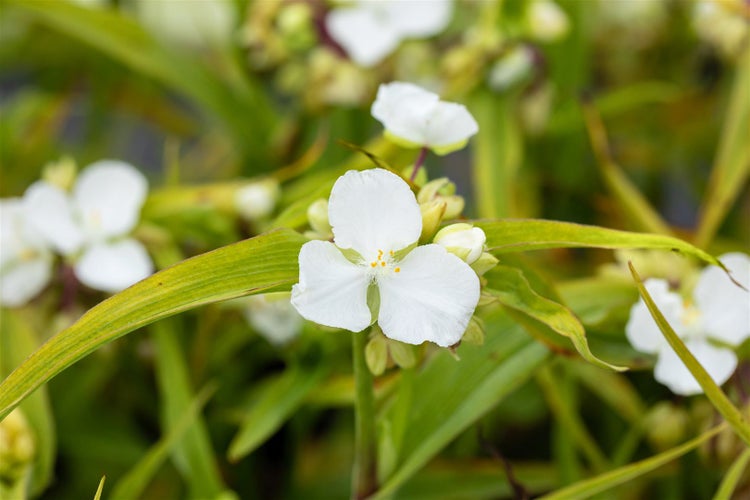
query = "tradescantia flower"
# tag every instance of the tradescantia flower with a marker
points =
(416, 118)
(25, 257)
(90, 225)
(424, 293)
(719, 314)
(273, 317)
(369, 30)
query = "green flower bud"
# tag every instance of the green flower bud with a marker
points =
(402, 354)
(463, 240)
(376, 353)
(484, 263)
(61, 173)
(432, 216)
(666, 425)
(443, 190)
(295, 24)
(317, 216)
(16, 449)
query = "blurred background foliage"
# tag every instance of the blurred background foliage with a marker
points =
(619, 118)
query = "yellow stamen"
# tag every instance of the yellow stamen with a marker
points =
(382, 263)
(373, 264)
(397, 270)
(391, 252)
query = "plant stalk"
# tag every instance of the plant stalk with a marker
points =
(364, 477)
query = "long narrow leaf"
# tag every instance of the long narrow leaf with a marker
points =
(264, 263)
(733, 476)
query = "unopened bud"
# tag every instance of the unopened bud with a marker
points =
(432, 216)
(463, 240)
(402, 354)
(512, 68)
(546, 21)
(317, 216)
(474, 333)
(442, 190)
(16, 447)
(666, 424)
(61, 173)
(257, 200)
(484, 263)
(376, 353)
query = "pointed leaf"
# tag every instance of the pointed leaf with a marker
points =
(262, 264)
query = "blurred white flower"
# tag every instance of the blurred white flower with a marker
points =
(425, 293)
(546, 21)
(91, 224)
(258, 199)
(414, 117)
(719, 312)
(720, 26)
(273, 316)
(369, 30)
(25, 256)
(189, 22)
(511, 68)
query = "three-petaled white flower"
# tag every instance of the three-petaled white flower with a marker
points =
(25, 257)
(718, 313)
(369, 30)
(425, 293)
(90, 224)
(414, 117)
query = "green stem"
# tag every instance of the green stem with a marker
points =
(364, 481)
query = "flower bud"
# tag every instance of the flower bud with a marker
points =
(317, 216)
(61, 173)
(402, 354)
(376, 353)
(16, 448)
(484, 263)
(666, 425)
(547, 22)
(442, 190)
(257, 200)
(273, 317)
(295, 24)
(512, 68)
(463, 240)
(432, 216)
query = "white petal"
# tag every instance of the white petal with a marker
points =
(111, 267)
(331, 290)
(449, 127)
(49, 210)
(404, 109)
(21, 282)
(361, 32)
(725, 307)
(373, 210)
(431, 298)
(642, 331)
(109, 195)
(420, 18)
(274, 318)
(670, 370)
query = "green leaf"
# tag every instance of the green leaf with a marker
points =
(453, 393)
(520, 235)
(132, 484)
(100, 489)
(713, 392)
(231, 100)
(590, 487)
(262, 264)
(193, 454)
(733, 476)
(732, 163)
(276, 401)
(514, 291)
(17, 341)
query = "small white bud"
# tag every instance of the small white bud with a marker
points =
(463, 240)
(317, 216)
(257, 200)
(547, 21)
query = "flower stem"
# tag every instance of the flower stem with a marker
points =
(364, 481)
(418, 164)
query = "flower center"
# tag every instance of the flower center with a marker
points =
(384, 262)
(692, 322)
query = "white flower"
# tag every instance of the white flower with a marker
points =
(511, 69)
(425, 293)
(414, 117)
(91, 223)
(258, 199)
(720, 26)
(719, 312)
(192, 22)
(369, 30)
(547, 21)
(463, 240)
(274, 317)
(25, 257)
